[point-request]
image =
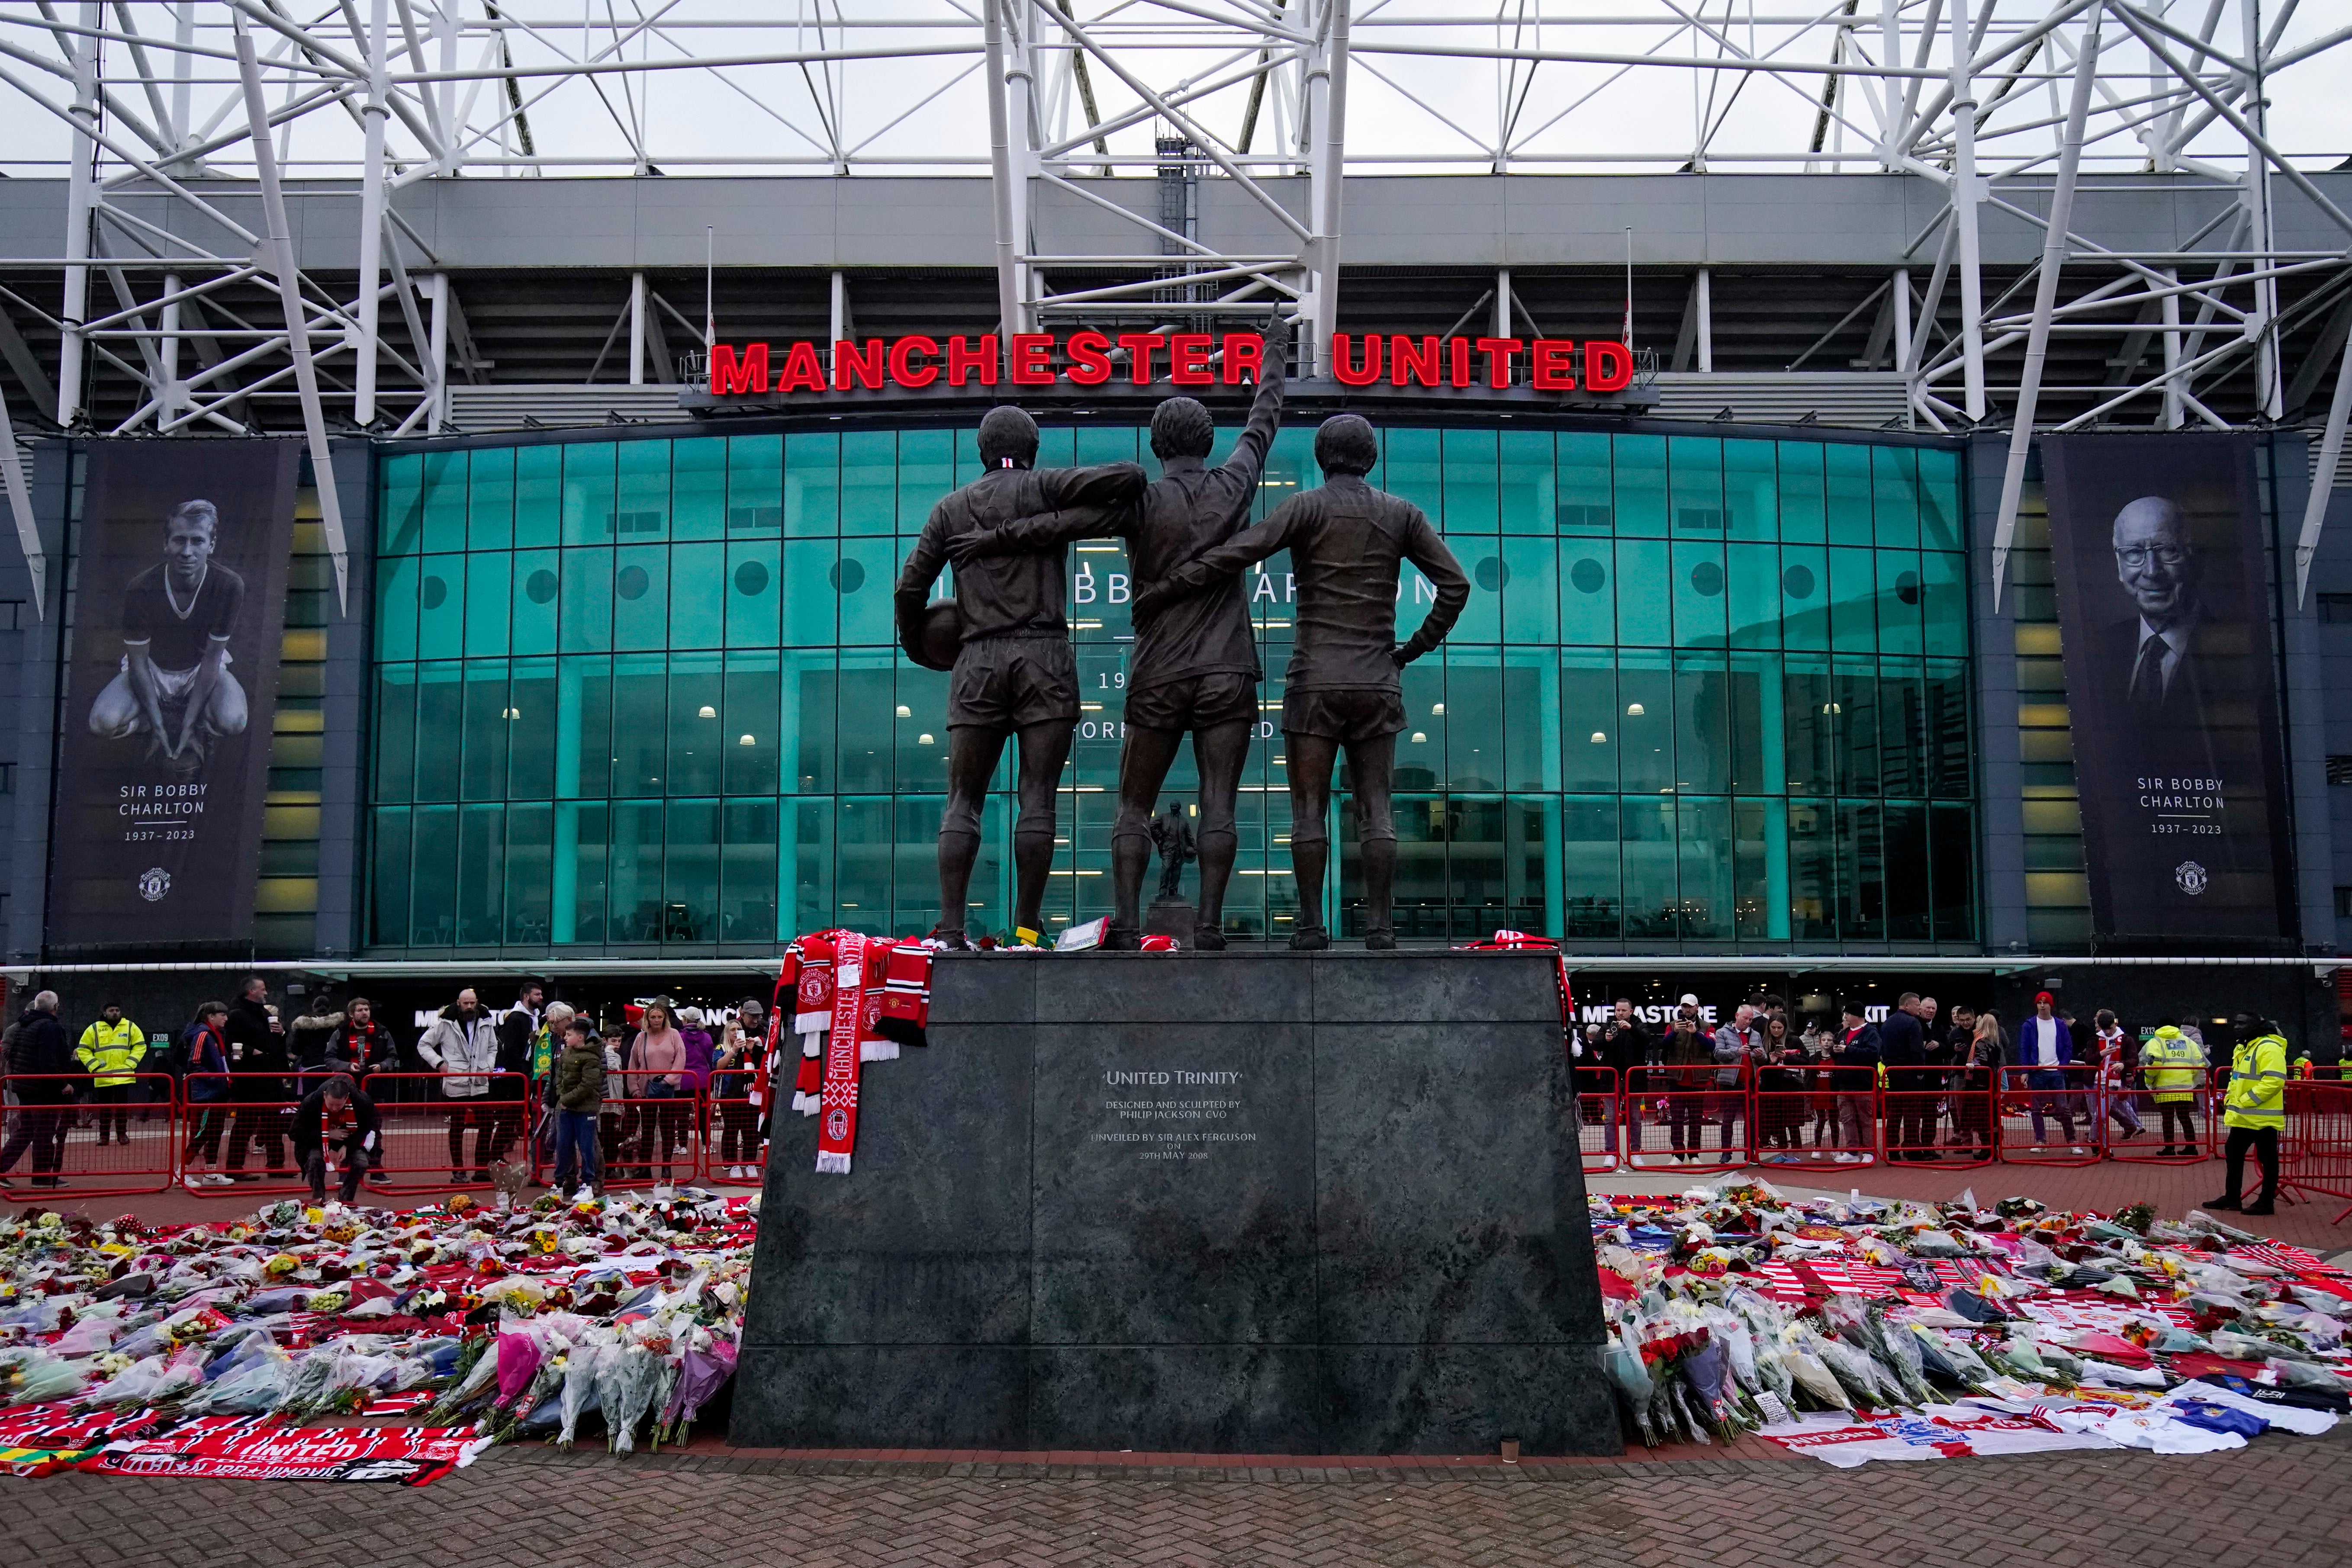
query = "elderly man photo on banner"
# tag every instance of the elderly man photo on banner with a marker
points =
(2163, 582)
(1193, 669)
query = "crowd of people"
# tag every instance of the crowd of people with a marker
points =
(1919, 1088)
(579, 1093)
(585, 1095)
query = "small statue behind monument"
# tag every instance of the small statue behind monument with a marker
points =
(1171, 914)
(1171, 836)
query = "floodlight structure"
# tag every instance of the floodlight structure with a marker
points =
(190, 134)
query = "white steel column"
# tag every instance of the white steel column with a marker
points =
(279, 245)
(2270, 391)
(169, 399)
(1703, 302)
(2175, 413)
(1502, 302)
(2045, 299)
(1964, 214)
(2323, 481)
(437, 290)
(371, 216)
(20, 508)
(840, 322)
(81, 187)
(1327, 104)
(636, 328)
(1000, 163)
(1903, 320)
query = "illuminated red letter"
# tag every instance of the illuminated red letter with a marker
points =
(1551, 364)
(1244, 352)
(1498, 352)
(1348, 376)
(1033, 359)
(1419, 359)
(1608, 366)
(864, 364)
(903, 369)
(730, 375)
(1138, 346)
(1458, 372)
(802, 372)
(1089, 359)
(1188, 359)
(964, 360)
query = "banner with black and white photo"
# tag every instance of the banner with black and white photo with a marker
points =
(2158, 548)
(179, 611)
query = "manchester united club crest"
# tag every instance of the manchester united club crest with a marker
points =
(2190, 878)
(836, 1123)
(153, 883)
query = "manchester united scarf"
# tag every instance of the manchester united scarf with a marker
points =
(838, 1118)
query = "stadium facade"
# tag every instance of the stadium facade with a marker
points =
(587, 665)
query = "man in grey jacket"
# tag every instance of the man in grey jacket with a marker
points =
(462, 1045)
(1738, 1047)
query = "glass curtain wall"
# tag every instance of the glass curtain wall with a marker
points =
(1709, 694)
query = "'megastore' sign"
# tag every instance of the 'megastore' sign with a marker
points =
(1176, 358)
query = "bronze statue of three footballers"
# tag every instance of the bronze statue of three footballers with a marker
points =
(1193, 668)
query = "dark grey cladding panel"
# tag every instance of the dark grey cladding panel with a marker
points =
(1167, 1213)
(928, 1240)
(1173, 987)
(1229, 1399)
(981, 986)
(881, 1396)
(1449, 1209)
(1468, 1398)
(1450, 987)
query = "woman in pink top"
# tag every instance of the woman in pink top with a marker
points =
(656, 1079)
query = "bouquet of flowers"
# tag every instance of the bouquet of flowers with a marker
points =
(583, 1365)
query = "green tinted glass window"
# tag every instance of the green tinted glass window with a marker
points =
(1709, 691)
(1641, 464)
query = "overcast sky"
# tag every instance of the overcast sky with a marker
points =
(1403, 111)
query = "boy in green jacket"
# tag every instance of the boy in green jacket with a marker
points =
(579, 1096)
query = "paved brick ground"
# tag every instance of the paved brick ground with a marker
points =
(2278, 1503)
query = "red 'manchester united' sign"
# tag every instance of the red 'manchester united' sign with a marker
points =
(1178, 358)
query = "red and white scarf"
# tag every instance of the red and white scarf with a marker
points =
(836, 1128)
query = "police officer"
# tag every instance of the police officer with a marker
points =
(110, 1051)
(2255, 1112)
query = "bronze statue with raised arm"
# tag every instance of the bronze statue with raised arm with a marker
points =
(1193, 668)
(1342, 691)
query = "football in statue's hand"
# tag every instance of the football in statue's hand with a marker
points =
(938, 636)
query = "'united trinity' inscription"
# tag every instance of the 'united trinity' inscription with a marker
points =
(1173, 1129)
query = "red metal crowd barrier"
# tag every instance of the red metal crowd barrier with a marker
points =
(1837, 1107)
(730, 1141)
(2315, 1146)
(253, 1116)
(1937, 1118)
(643, 1139)
(131, 1144)
(2032, 1098)
(1689, 1100)
(2166, 1112)
(1596, 1118)
(430, 1142)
